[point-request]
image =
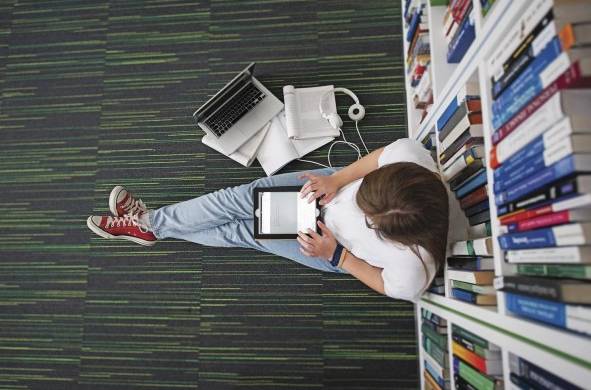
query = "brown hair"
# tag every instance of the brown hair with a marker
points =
(407, 203)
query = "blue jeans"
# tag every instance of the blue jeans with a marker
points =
(224, 219)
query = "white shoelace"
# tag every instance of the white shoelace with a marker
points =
(134, 206)
(127, 220)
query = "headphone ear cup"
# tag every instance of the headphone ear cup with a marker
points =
(335, 120)
(356, 112)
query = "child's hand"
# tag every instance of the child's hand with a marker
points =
(319, 186)
(316, 245)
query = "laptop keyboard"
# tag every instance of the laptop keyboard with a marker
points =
(234, 109)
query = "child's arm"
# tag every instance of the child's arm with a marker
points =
(327, 186)
(368, 274)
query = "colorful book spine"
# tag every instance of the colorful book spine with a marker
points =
(561, 255)
(478, 208)
(439, 339)
(543, 221)
(434, 374)
(574, 271)
(478, 180)
(472, 376)
(465, 174)
(527, 85)
(537, 377)
(572, 234)
(485, 366)
(477, 340)
(562, 168)
(476, 196)
(545, 288)
(435, 351)
(572, 78)
(461, 43)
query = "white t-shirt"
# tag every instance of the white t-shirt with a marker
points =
(403, 273)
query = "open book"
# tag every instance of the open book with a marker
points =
(278, 149)
(302, 111)
(245, 154)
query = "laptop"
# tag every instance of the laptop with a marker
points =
(238, 111)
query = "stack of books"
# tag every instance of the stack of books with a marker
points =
(477, 363)
(438, 284)
(541, 75)
(458, 28)
(418, 57)
(470, 270)
(436, 360)
(526, 375)
(430, 142)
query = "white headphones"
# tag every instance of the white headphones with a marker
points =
(356, 113)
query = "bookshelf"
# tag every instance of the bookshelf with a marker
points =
(564, 353)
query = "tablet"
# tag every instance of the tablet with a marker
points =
(280, 213)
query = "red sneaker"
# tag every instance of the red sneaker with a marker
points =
(122, 202)
(123, 228)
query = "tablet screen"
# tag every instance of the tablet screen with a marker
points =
(285, 213)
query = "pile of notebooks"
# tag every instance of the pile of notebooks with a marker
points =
(526, 375)
(541, 156)
(418, 57)
(470, 270)
(477, 363)
(435, 358)
(458, 28)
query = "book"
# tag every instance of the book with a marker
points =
(477, 180)
(564, 235)
(542, 71)
(303, 118)
(434, 371)
(531, 145)
(437, 353)
(465, 174)
(473, 338)
(439, 339)
(245, 154)
(478, 208)
(467, 91)
(479, 247)
(461, 144)
(464, 37)
(474, 197)
(537, 376)
(485, 366)
(567, 291)
(460, 130)
(577, 144)
(470, 109)
(522, 55)
(466, 146)
(278, 149)
(549, 312)
(474, 277)
(430, 381)
(565, 255)
(470, 297)
(454, 167)
(432, 317)
(461, 384)
(550, 219)
(567, 166)
(474, 377)
(480, 230)
(479, 218)
(458, 9)
(492, 354)
(569, 193)
(434, 327)
(574, 271)
(574, 77)
(474, 288)
(471, 263)
(542, 131)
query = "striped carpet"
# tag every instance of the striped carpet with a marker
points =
(100, 93)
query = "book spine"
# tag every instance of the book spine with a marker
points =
(465, 174)
(457, 117)
(440, 340)
(475, 378)
(542, 238)
(526, 86)
(478, 180)
(529, 168)
(447, 114)
(479, 218)
(523, 55)
(574, 271)
(465, 296)
(551, 219)
(554, 172)
(569, 79)
(432, 349)
(413, 24)
(480, 207)
(476, 340)
(558, 255)
(461, 384)
(539, 287)
(459, 46)
(542, 310)
(476, 196)
(537, 376)
(469, 357)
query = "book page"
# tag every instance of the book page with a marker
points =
(302, 108)
(277, 149)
